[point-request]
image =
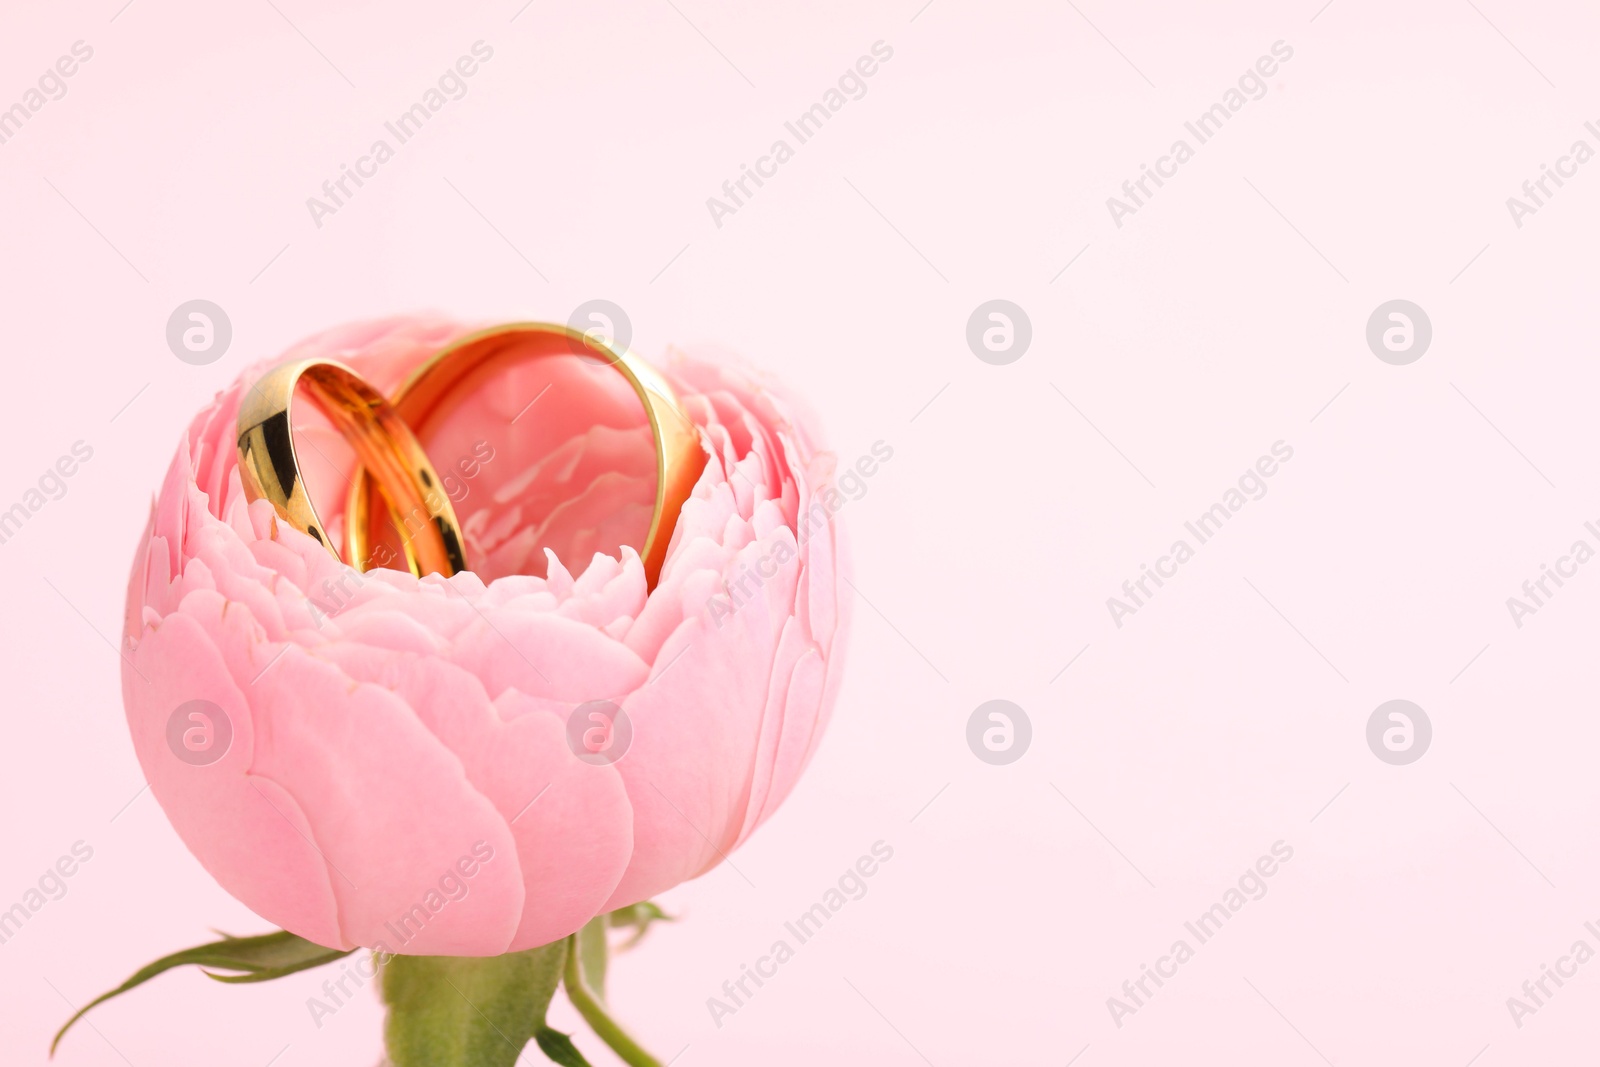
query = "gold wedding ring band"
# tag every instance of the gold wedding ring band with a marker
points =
(270, 468)
(435, 388)
(395, 472)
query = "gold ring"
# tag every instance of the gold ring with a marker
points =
(423, 397)
(270, 468)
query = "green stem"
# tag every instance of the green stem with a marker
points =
(595, 1014)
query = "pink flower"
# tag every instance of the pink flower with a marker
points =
(399, 773)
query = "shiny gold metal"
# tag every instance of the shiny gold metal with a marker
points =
(454, 373)
(384, 445)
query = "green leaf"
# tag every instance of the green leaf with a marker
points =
(466, 1011)
(559, 1047)
(257, 959)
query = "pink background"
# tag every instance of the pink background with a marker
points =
(1222, 317)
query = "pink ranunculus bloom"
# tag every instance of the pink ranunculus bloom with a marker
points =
(399, 773)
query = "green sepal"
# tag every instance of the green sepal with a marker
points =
(257, 959)
(594, 954)
(469, 1011)
(639, 916)
(559, 1048)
